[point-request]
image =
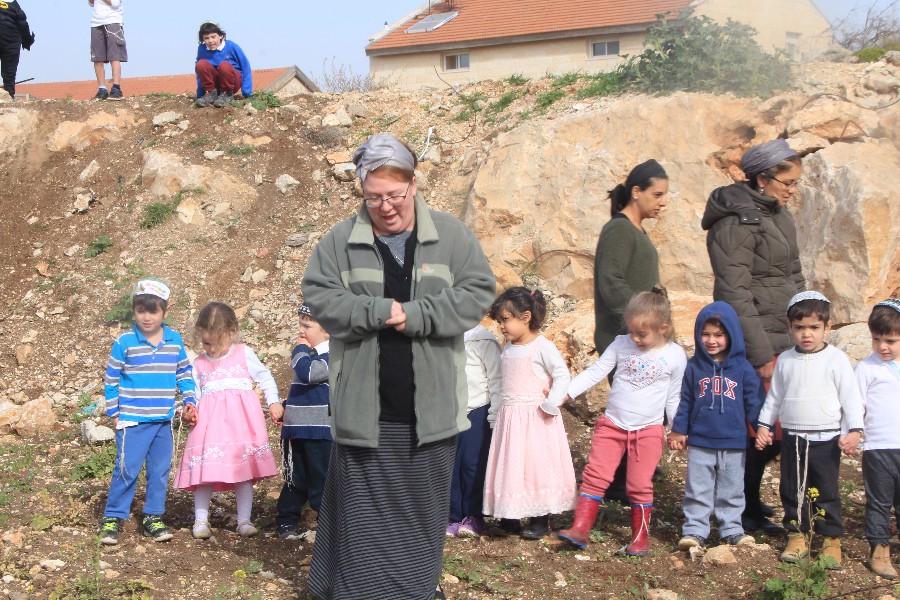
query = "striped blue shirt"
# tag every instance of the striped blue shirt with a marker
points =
(141, 378)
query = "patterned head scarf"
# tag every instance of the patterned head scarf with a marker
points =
(379, 150)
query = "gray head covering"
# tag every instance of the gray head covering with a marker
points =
(379, 150)
(808, 295)
(765, 156)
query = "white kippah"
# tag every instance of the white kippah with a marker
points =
(154, 287)
(808, 295)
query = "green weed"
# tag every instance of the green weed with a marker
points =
(545, 100)
(503, 103)
(200, 141)
(516, 79)
(98, 246)
(158, 213)
(121, 312)
(264, 100)
(98, 466)
(566, 79)
(240, 149)
(602, 84)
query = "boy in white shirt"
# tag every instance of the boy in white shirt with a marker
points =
(108, 45)
(815, 395)
(879, 381)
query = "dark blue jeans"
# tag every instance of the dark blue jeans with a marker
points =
(304, 478)
(467, 491)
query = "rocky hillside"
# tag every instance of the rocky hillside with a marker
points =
(228, 204)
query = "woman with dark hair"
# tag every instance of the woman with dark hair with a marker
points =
(222, 68)
(752, 245)
(626, 261)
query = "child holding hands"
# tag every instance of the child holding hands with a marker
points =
(529, 468)
(649, 367)
(879, 381)
(816, 397)
(228, 446)
(719, 394)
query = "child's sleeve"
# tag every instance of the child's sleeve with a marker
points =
(681, 423)
(200, 90)
(491, 359)
(595, 373)
(309, 368)
(674, 393)
(246, 72)
(111, 379)
(553, 362)
(184, 377)
(262, 376)
(771, 408)
(848, 393)
(862, 381)
(752, 398)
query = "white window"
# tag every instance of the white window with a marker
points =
(604, 48)
(456, 62)
(792, 45)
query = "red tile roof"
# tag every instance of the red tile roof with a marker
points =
(480, 21)
(136, 86)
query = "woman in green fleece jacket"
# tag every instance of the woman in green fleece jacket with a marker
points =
(626, 261)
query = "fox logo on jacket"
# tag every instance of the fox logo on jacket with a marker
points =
(717, 386)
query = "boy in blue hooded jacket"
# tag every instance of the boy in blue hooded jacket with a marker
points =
(719, 395)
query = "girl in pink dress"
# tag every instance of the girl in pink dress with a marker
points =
(529, 469)
(228, 446)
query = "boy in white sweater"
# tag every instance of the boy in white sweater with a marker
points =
(879, 381)
(815, 395)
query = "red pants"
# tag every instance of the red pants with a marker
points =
(642, 449)
(224, 78)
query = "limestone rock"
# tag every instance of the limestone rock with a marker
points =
(34, 417)
(285, 183)
(295, 240)
(855, 340)
(165, 118)
(92, 433)
(89, 171)
(101, 126)
(835, 120)
(847, 222)
(5, 98)
(338, 157)
(358, 111)
(16, 129)
(23, 353)
(213, 154)
(344, 172)
(259, 276)
(719, 555)
(662, 594)
(165, 174)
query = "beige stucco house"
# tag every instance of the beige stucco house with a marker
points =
(461, 41)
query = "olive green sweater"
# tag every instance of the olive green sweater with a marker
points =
(626, 263)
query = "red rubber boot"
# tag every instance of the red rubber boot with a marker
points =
(640, 530)
(586, 510)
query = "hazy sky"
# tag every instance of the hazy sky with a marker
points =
(162, 37)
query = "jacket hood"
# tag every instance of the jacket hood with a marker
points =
(737, 199)
(729, 319)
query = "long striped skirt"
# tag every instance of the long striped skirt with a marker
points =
(383, 518)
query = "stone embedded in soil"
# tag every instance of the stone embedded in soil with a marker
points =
(213, 154)
(286, 183)
(52, 564)
(167, 117)
(719, 555)
(259, 276)
(661, 594)
(89, 171)
(23, 353)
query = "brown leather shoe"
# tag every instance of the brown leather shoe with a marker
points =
(880, 562)
(831, 552)
(796, 550)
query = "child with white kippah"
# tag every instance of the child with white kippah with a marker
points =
(815, 395)
(146, 366)
(879, 381)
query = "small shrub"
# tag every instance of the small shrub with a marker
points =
(602, 84)
(566, 79)
(200, 141)
(516, 79)
(241, 149)
(545, 100)
(503, 103)
(463, 116)
(338, 79)
(871, 54)
(264, 100)
(98, 246)
(157, 213)
(327, 135)
(121, 312)
(98, 466)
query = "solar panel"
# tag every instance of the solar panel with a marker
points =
(432, 22)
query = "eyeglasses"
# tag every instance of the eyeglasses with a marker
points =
(788, 184)
(395, 200)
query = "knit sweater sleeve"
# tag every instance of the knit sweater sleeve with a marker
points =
(614, 252)
(848, 392)
(774, 402)
(549, 359)
(262, 376)
(490, 356)
(678, 365)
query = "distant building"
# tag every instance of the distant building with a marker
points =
(282, 82)
(461, 41)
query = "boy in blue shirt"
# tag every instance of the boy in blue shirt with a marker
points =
(719, 395)
(145, 367)
(222, 68)
(305, 432)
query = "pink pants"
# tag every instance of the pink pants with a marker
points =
(223, 78)
(643, 449)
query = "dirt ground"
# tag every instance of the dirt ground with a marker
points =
(56, 301)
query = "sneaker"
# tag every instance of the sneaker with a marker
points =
(536, 528)
(109, 531)
(453, 528)
(223, 99)
(290, 532)
(738, 539)
(116, 94)
(506, 527)
(471, 527)
(102, 94)
(691, 541)
(246, 529)
(201, 530)
(153, 526)
(206, 99)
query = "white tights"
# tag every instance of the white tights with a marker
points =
(243, 494)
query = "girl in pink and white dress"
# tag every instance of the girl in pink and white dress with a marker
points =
(228, 446)
(529, 469)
